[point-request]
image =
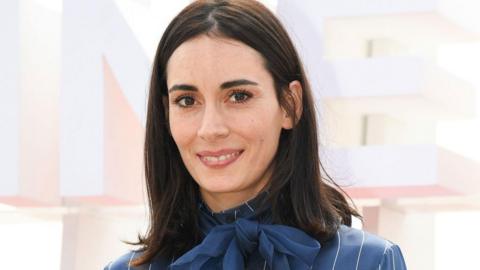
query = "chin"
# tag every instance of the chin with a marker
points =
(219, 189)
(219, 186)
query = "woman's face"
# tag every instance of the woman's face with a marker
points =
(224, 117)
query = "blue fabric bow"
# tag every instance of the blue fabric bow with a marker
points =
(227, 247)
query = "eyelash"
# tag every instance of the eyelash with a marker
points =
(234, 92)
(241, 91)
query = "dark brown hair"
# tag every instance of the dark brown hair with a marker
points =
(299, 195)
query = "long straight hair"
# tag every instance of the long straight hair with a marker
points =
(299, 195)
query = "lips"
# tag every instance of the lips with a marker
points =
(219, 159)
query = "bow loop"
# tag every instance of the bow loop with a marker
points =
(229, 246)
(246, 233)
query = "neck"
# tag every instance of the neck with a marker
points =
(218, 202)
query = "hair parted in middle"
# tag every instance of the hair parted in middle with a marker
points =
(301, 193)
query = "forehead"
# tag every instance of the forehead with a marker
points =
(216, 59)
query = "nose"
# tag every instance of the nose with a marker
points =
(213, 125)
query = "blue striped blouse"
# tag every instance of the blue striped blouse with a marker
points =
(241, 238)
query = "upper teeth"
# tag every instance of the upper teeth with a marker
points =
(222, 157)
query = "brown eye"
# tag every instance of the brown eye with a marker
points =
(185, 101)
(240, 96)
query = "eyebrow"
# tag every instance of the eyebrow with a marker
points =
(225, 85)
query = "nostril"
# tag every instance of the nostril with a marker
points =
(213, 131)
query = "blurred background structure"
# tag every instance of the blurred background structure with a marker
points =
(396, 83)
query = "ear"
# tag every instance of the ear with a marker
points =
(294, 98)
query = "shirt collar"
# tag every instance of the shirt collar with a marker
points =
(250, 209)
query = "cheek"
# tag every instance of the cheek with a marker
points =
(182, 131)
(259, 130)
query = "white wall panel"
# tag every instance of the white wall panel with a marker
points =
(9, 97)
(326, 8)
(393, 171)
(81, 99)
(39, 88)
(96, 36)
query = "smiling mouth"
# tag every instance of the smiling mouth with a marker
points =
(220, 161)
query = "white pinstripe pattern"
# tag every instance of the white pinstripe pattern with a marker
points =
(251, 209)
(393, 259)
(384, 251)
(360, 252)
(338, 250)
(131, 257)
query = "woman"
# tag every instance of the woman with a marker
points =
(231, 156)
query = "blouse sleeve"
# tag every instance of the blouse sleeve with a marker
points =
(122, 262)
(392, 259)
